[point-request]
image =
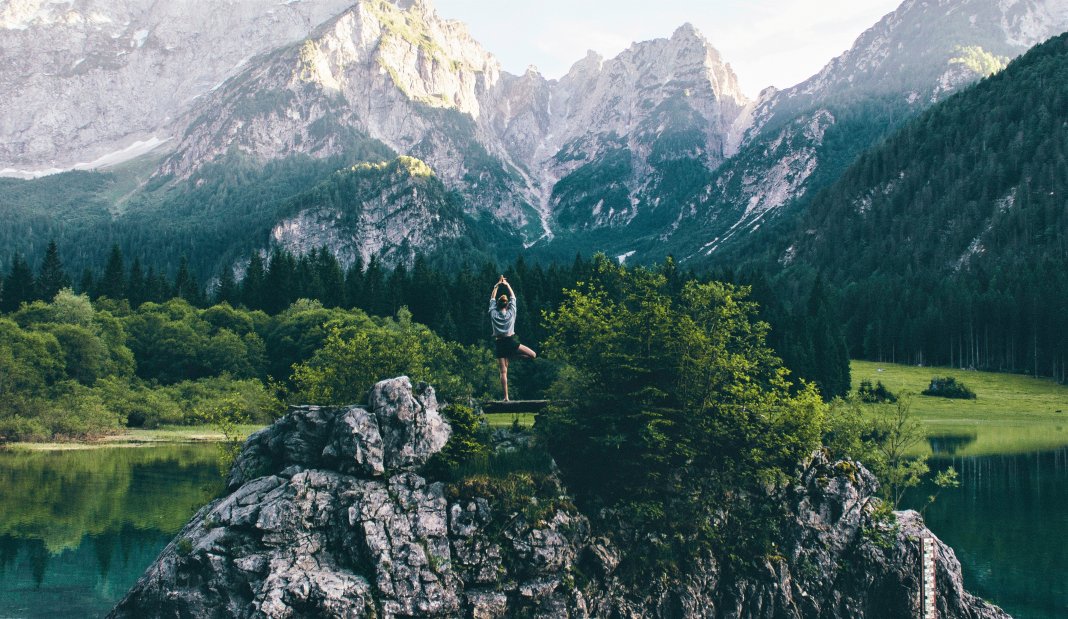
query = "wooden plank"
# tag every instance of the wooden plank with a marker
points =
(514, 406)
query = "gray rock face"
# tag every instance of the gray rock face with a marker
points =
(95, 82)
(326, 516)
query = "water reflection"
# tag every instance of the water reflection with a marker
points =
(1008, 523)
(79, 527)
(949, 444)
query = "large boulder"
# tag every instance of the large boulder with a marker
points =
(326, 515)
(398, 430)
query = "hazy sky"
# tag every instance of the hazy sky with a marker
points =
(768, 42)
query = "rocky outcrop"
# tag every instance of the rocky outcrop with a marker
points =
(327, 515)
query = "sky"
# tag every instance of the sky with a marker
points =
(767, 42)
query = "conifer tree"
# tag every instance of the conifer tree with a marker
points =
(113, 282)
(227, 289)
(135, 285)
(374, 287)
(331, 278)
(280, 282)
(252, 285)
(354, 284)
(52, 278)
(18, 285)
(86, 283)
(185, 285)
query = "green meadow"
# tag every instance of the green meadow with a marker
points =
(1011, 414)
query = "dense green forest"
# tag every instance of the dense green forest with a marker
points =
(226, 209)
(132, 347)
(946, 244)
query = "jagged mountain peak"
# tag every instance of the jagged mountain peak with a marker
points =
(90, 83)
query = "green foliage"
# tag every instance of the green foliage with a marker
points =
(882, 436)
(469, 442)
(532, 495)
(352, 360)
(66, 369)
(942, 480)
(226, 415)
(676, 402)
(877, 394)
(949, 387)
(173, 342)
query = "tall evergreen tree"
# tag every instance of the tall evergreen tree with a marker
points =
(113, 283)
(227, 290)
(86, 283)
(18, 285)
(185, 285)
(354, 284)
(280, 282)
(331, 278)
(373, 300)
(52, 278)
(252, 286)
(135, 284)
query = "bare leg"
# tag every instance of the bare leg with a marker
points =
(527, 352)
(503, 363)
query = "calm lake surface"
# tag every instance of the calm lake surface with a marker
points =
(77, 528)
(1008, 523)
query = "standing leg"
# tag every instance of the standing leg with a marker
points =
(503, 363)
(527, 352)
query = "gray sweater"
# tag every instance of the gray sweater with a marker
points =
(503, 323)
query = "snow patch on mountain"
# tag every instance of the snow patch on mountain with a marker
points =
(131, 151)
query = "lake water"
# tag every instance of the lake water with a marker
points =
(78, 528)
(1008, 523)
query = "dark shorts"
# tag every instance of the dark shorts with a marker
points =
(506, 346)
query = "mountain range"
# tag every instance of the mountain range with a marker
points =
(377, 127)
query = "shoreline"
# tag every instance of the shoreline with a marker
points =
(133, 438)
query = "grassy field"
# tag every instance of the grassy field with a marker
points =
(1011, 413)
(136, 437)
(504, 420)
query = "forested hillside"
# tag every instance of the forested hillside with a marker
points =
(948, 240)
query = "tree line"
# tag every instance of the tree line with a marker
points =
(806, 334)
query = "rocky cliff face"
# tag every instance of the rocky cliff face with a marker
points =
(531, 152)
(94, 82)
(326, 514)
(392, 210)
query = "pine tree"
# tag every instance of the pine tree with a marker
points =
(18, 285)
(354, 284)
(252, 284)
(113, 282)
(331, 278)
(86, 284)
(227, 291)
(185, 285)
(135, 285)
(373, 300)
(52, 278)
(280, 282)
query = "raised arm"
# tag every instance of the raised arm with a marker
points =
(493, 294)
